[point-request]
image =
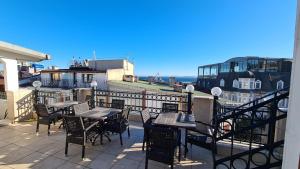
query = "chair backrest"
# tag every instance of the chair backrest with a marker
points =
(125, 112)
(118, 104)
(80, 108)
(169, 107)
(161, 138)
(41, 110)
(145, 114)
(74, 125)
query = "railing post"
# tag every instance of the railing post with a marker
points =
(189, 103)
(93, 97)
(215, 108)
(35, 95)
(144, 99)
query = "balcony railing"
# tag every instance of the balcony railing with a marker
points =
(245, 123)
(63, 83)
(141, 100)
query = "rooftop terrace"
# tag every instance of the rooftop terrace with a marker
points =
(22, 148)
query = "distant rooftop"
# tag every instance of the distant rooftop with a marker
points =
(143, 85)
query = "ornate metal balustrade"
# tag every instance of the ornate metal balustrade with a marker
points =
(261, 125)
(141, 100)
(25, 105)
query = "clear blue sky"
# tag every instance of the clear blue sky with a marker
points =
(171, 37)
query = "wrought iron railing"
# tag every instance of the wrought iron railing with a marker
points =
(262, 151)
(141, 100)
(25, 106)
(3, 95)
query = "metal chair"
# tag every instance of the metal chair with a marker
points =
(147, 120)
(169, 107)
(118, 124)
(161, 143)
(117, 104)
(201, 136)
(78, 133)
(46, 116)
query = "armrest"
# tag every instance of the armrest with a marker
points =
(91, 126)
(202, 133)
(205, 124)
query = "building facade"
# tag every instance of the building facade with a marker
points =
(243, 79)
(81, 74)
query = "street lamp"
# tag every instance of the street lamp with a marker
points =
(36, 84)
(93, 94)
(190, 89)
(216, 92)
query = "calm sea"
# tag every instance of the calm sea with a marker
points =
(184, 79)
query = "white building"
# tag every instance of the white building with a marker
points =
(81, 75)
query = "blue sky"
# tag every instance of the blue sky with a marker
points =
(171, 37)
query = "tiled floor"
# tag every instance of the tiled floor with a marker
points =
(20, 147)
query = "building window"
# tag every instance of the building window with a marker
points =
(55, 76)
(257, 84)
(200, 72)
(280, 85)
(87, 78)
(222, 82)
(235, 83)
(225, 67)
(207, 71)
(214, 70)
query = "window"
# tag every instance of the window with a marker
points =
(200, 71)
(271, 66)
(206, 71)
(280, 85)
(240, 66)
(235, 83)
(222, 82)
(87, 78)
(224, 67)
(253, 64)
(55, 76)
(257, 84)
(214, 70)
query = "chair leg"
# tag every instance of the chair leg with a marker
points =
(37, 126)
(128, 131)
(83, 151)
(143, 143)
(172, 166)
(101, 139)
(66, 148)
(146, 163)
(121, 140)
(49, 129)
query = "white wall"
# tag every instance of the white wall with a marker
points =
(292, 136)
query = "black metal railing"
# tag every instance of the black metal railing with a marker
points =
(261, 123)
(141, 100)
(3, 95)
(25, 105)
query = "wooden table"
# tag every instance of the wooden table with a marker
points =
(63, 105)
(176, 120)
(99, 113)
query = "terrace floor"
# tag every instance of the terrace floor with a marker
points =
(20, 147)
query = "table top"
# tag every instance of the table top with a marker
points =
(63, 104)
(179, 120)
(100, 113)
